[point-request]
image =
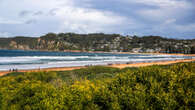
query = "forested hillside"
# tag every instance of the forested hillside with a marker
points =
(99, 42)
(101, 88)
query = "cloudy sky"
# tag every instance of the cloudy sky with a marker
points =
(168, 18)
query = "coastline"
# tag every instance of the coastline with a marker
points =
(151, 63)
(2, 73)
(80, 51)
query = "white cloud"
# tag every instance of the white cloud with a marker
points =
(10, 21)
(88, 20)
(72, 17)
(5, 34)
(170, 21)
(86, 16)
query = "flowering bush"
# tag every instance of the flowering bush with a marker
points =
(94, 88)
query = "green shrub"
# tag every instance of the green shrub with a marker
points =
(95, 88)
(1, 101)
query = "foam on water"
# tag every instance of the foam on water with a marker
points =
(33, 60)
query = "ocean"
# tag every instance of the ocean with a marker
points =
(18, 59)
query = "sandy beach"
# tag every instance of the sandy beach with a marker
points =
(177, 54)
(150, 63)
(111, 65)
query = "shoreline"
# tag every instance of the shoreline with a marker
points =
(79, 51)
(120, 66)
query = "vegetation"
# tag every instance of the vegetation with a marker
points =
(154, 87)
(99, 42)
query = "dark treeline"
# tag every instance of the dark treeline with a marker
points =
(100, 42)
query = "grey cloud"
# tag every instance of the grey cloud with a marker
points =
(88, 16)
(24, 13)
(52, 12)
(38, 13)
(31, 21)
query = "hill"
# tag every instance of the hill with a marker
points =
(99, 42)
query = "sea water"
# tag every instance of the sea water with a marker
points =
(18, 59)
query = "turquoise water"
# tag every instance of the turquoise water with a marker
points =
(10, 59)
